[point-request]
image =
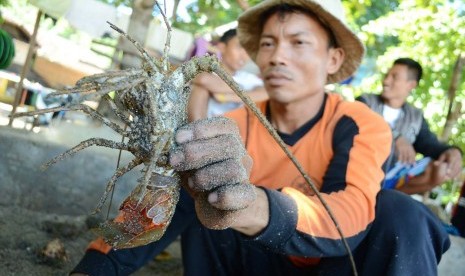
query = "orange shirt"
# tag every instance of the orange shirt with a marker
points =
(343, 153)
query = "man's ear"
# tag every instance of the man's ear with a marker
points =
(413, 84)
(336, 58)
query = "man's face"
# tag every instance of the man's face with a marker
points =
(294, 57)
(396, 83)
(233, 55)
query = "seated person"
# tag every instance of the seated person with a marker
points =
(211, 96)
(410, 130)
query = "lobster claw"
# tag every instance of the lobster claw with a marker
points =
(143, 216)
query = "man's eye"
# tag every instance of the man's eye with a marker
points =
(265, 44)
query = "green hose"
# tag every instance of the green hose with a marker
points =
(7, 49)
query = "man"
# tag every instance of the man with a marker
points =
(277, 226)
(410, 130)
(211, 96)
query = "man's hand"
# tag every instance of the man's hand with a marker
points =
(453, 158)
(405, 151)
(217, 168)
(434, 175)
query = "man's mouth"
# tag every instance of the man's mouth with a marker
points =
(277, 77)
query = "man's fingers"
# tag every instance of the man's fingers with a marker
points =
(218, 169)
(218, 174)
(410, 155)
(439, 173)
(454, 169)
(442, 157)
(199, 153)
(220, 209)
(232, 197)
(204, 129)
(407, 156)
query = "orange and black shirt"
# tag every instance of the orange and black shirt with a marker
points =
(343, 150)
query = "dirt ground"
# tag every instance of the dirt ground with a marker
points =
(53, 207)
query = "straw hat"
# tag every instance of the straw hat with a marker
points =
(329, 11)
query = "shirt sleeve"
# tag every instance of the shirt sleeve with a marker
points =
(427, 143)
(361, 99)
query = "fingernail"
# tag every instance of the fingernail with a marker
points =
(213, 197)
(176, 158)
(184, 135)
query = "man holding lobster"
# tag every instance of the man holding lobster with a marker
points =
(264, 219)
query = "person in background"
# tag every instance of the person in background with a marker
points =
(252, 212)
(211, 96)
(410, 130)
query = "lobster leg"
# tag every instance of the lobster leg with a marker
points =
(101, 89)
(85, 144)
(94, 114)
(115, 109)
(109, 77)
(111, 183)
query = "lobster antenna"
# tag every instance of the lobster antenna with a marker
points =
(165, 58)
(138, 46)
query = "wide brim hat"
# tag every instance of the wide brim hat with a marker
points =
(330, 12)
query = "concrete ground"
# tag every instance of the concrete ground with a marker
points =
(39, 201)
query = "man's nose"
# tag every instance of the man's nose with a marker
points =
(386, 80)
(279, 55)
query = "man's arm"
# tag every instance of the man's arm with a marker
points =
(202, 87)
(361, 145)
(257, 94)
(427, 143)
(223, 93)
(448, 163)
(404, 150)
(212, 83)
(207, 85)
(434, 175)
(197, 107)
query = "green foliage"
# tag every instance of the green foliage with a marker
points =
(116, 3)
(205, 15)
(361, 13)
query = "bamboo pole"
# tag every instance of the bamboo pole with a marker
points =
(26, 67)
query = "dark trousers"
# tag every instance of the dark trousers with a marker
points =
(405, 239)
